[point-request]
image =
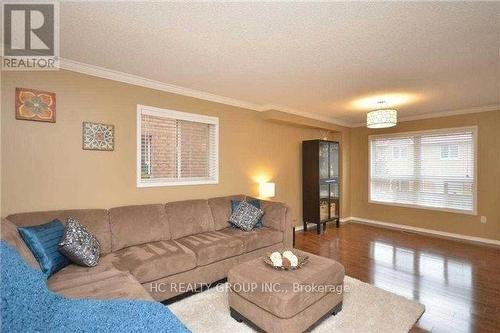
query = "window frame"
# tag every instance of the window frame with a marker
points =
(474, 130)
(178, 115)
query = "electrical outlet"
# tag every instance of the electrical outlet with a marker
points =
(483, 219)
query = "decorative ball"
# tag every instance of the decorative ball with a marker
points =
(277, 262)
(294, 261)
(275, 256)
(276, 259)
(286, 263)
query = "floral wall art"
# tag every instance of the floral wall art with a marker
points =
(35, 105)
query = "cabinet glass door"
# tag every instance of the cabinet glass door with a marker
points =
(334, 199)
(324, 191)
(324, 201)
(324, 161)
(334, 160)
(334, 208)
(334, 180)
(324, 210)
(334, 190)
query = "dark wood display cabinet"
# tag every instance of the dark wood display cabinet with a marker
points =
(320, 183)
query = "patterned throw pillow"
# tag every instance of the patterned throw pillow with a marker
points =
(253, 202)
(42, 241)
(246, 216)
(79, 245)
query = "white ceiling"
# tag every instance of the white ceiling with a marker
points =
(318, 58)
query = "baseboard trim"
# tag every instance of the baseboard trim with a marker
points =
(424, 231)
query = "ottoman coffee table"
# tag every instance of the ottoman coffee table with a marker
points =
(285, 301)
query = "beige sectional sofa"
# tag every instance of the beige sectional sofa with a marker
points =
(158, 251)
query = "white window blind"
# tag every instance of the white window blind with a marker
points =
(176, 148)
(429, 169)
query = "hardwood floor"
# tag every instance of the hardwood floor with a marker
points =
(459, 283)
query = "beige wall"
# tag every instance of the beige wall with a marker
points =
(488, 179)
(44, 166)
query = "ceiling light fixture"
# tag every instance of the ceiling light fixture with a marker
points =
(381, 117)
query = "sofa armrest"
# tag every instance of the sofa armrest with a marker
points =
(278, 216)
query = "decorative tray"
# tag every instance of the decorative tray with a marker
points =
(286, 264)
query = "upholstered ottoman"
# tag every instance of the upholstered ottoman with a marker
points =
(285, 301)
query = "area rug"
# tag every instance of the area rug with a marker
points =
(366, 309)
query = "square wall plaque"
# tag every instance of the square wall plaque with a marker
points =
(96, 136)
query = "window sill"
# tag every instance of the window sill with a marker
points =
(447, 210)
(143, 183)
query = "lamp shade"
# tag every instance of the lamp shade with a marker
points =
(381, 118)
(267, 190)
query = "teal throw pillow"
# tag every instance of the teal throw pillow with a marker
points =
(43, 240)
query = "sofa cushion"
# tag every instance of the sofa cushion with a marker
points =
(10, 234)
(274, 214)
(96, 221)
(134, 225)
(257, 238)
(221, 210)
(153, 261)
(103, 281)
(189, 217)
(213, 246)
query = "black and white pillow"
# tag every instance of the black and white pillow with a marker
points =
(79, 245)
(245, 216)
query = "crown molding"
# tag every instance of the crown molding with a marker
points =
(110, 74)
(494, 107)
(335, 121)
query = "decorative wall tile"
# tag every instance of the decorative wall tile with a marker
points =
(35, 105)
(96, 136)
